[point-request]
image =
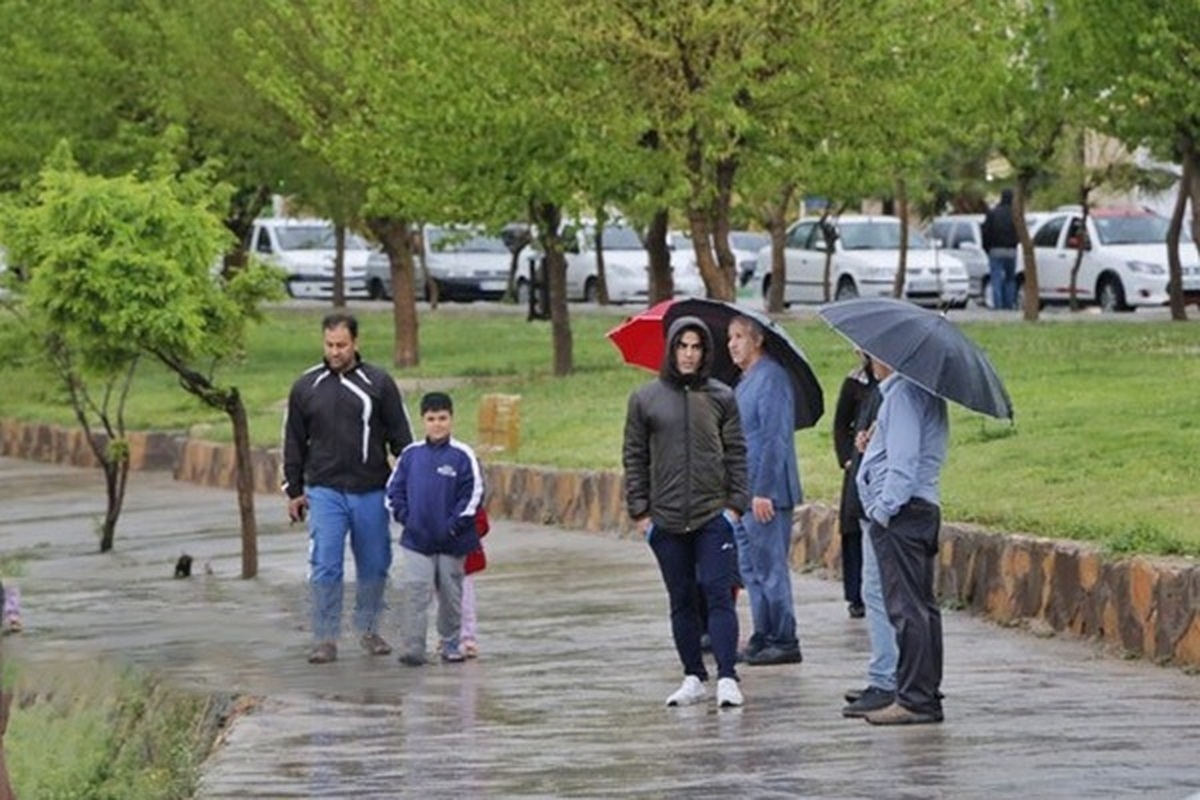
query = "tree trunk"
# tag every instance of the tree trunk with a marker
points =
(395, 236)
(902, 263)
(116, 477)
(720, 285)
(1077, 264)
(339, 265)
(726, 172)
(662, 280)
(229, 401)
(1175, 234)
(549, 218)
(1032, 299)
(597, 243)
(775, 221)
(236, 410)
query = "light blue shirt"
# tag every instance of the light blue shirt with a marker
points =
(904, 457)
(765, 403)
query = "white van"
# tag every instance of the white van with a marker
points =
(305, 250)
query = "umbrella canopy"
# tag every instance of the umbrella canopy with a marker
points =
(640, 337)
(641, 340)
(924, 347)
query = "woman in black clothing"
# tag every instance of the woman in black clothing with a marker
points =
(857, 403)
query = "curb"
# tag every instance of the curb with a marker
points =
(1146, 606)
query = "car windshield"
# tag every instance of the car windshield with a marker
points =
(451, 241)
(621, 239)
(879, 235)
(316, 237)
(1147, 229)
(746, 240)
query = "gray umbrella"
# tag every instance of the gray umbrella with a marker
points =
(924, 347)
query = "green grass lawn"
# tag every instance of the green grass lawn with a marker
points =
(1103, 448)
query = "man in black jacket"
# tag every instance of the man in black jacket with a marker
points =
(685, 488)
(344, 416)
(1000, 242)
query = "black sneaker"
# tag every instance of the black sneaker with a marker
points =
(873, 699)
(771, 655)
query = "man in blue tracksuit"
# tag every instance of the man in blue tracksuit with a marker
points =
(435, 492)
(344, 416)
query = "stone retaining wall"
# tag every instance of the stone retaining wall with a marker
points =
(1141, 605)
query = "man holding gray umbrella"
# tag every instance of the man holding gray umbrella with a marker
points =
(898, 485)
(921, 360)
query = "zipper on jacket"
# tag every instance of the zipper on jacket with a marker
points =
(687, 459)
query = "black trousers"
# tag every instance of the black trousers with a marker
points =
(849, 514)
(907, 550)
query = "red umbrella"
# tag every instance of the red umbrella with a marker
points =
(640, 338)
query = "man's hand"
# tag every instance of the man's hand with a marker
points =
(297, 508)
(763, 509)
(863, 438)
(643, 525)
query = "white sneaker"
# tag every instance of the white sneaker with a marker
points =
(728, 693)
(692, 691)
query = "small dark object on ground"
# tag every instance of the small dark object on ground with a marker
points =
(183, 567)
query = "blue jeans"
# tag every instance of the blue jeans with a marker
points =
(767, 575)
(332, 514)
(881, 667)
(703, 561)
(1002, 269)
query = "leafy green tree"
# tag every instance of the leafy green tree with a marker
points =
(1141, 74)
(125, 266)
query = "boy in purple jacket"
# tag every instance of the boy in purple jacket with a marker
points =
(434, 493)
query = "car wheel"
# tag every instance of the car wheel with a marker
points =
(846, 290)
(1111, 295)
(591, 291)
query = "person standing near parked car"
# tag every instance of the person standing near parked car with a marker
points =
(1000, 242)
(765, 398)
(344, 416)
(685, 489)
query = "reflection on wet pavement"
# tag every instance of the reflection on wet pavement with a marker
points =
(566, 699)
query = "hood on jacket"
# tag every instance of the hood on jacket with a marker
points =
(670, 369)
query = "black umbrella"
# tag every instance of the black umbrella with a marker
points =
(717, 314)
(924, 347)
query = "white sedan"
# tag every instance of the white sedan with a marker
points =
(1124, 262)
(626, 267)
(865, 259)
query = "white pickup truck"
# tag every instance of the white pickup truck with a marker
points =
(305, 250)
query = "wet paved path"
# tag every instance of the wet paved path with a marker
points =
(566, 699)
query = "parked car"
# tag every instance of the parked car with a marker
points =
(745, 246)
(626, 266)
(305, 250)
(866, 257)
(963, 235)
(1124, 261)
(464, 262)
